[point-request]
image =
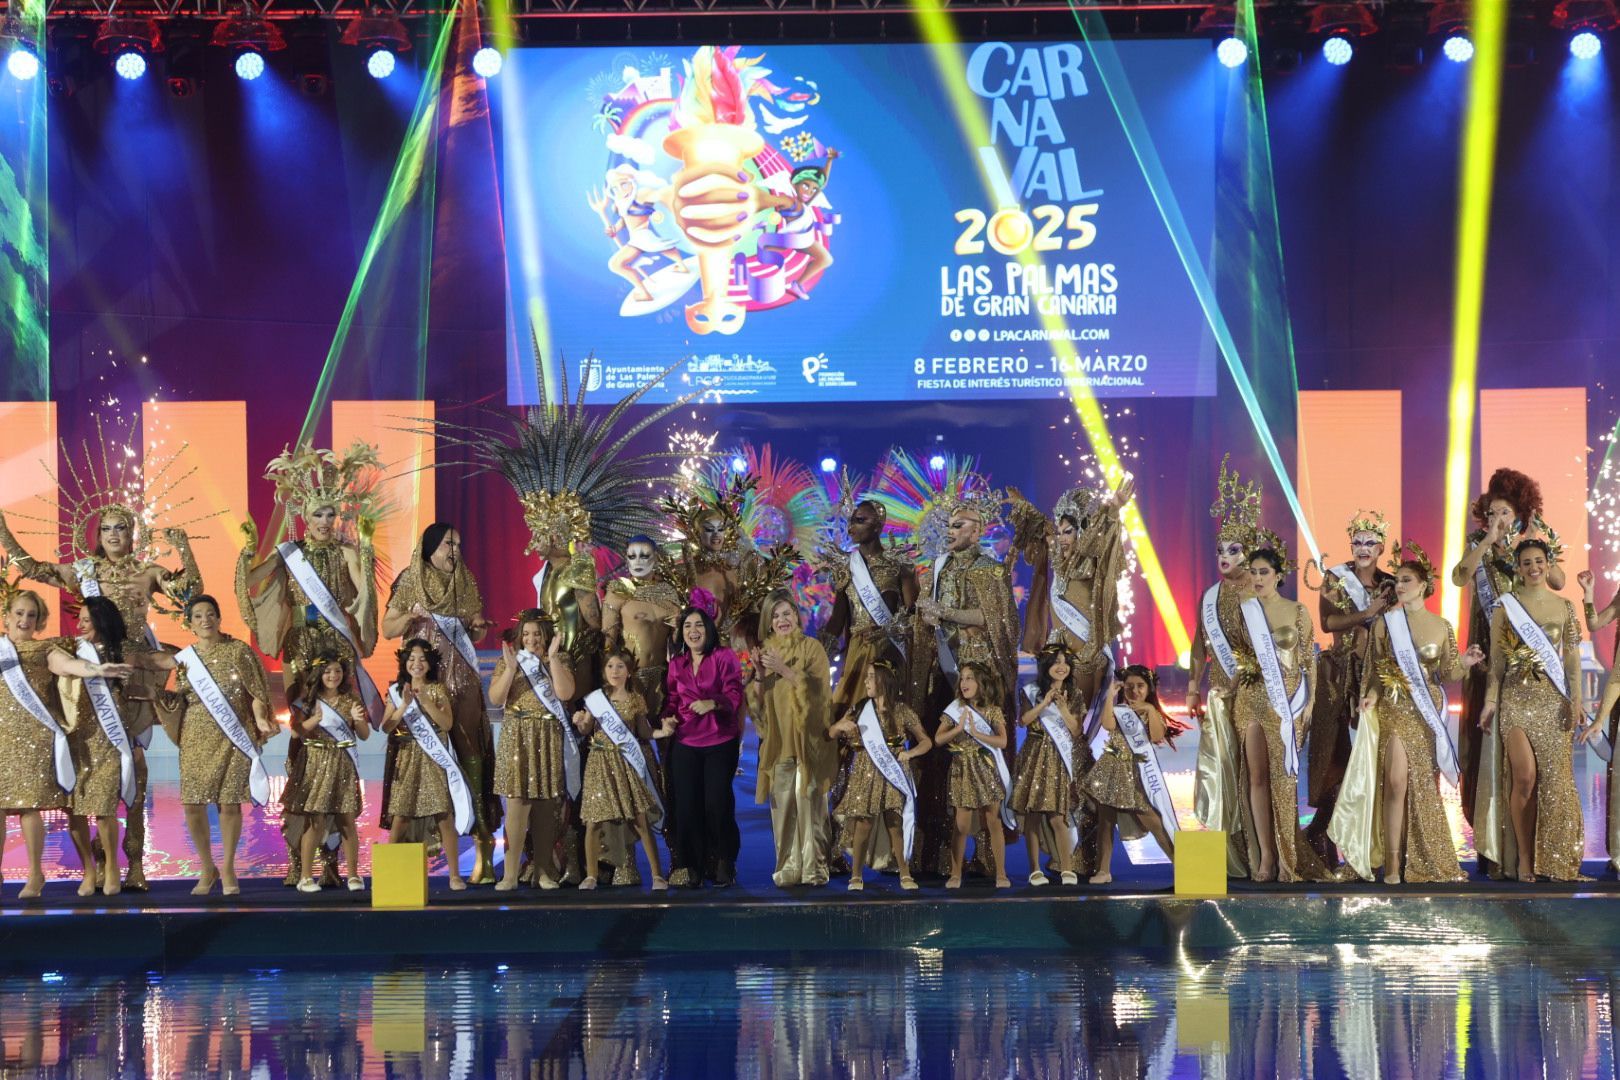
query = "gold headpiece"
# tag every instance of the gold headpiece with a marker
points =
(552, 517)
(307, 479)
(1411, 551)
(1078, 503)
(1266, 538)
(696, 503)
(9, 590)
(1236, 507)
(1368, 521)
(921, 495)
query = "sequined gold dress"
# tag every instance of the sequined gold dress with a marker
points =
(95, 760)
(1220, 794)
(1295, 643)
(331, 785)
(27, 761)
(1114, 781)
(1431, 854)
(973, 782)
(1532, 704)
(867, 794)
(611, 790)
(529, 754)
(1040, 783)
(420, 789)
(212, 770)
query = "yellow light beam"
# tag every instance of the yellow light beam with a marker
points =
(940, 37)
(1488, 25)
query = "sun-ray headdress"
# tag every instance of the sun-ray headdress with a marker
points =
(1236, 507)
(569, 464)
(307, 479)
(921, 500)
(113, 481)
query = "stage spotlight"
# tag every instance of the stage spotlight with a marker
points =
(1232, 52)
(487, 62)
(380, 63)
(22, 63)
(1583, 46)
(1458, 49)
(129, 41)
(249, 65)
(1338, 50)
(381, 37)
(937, 463)
(129, 64)
(829, 464)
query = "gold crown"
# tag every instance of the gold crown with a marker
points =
(1236, 506)
(1266, 538)
(555, 516)
(1411, 551)
(1368, 521)
(1077, 503)
(307, 479)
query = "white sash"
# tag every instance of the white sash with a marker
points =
(23, 691)
(293, 558)
(1265, 651)
(1091, 729)
(614, 727)
(871, 597)
(442, 755)
(947, 659)
(1147, 765)
(1353, 587)
(1056, 730)
(540, 584)
(978, 727)
(1400, 643)
(1531, 633)
(1485, 589)
(85, 571)
(112, 725)
(529, 664)
(1073, 619)
(336, 725)
(455, 631)
(877, 748)
(1209, 611)
(219, 707)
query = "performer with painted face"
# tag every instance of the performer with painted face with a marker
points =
(36, 760)
(113, 556)
(1353, 595)
(638, 614)
(1219, 792)
(437, 600)
(1392, 815)
(1508, 511)
(1127, 784)
(219, 717)
(1276, 667)
(875, 587)
(718, 553)
(315, 597)
(1532, 710)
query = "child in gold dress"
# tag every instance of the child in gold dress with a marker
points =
(975, 733)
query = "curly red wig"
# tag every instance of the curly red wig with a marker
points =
(1513, 487)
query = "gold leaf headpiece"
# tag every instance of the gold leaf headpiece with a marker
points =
(1411, 551)
(555, 516)
(695, 504)
(1266, 538)
(307, 479)
(1368, 521)
(1236, 507)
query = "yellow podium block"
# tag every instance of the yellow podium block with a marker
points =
(1203, 1019)
(399, 876)
(1200, 862)
(399, 1012)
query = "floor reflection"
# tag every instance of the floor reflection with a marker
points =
(1410, 1013)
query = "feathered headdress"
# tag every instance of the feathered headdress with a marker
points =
(1236, 507)
(568, 462)
(921, 499)
(307, 479)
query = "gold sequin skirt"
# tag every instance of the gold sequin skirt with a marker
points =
(27, 763)
(212, 770)
(331, 786)
(867, 794)
(1114, 781)
(1537, 709)
(529, 757)
(420, 789)
(95, 759)
(611, 790)
(1430, 853)
(1296, 859)
(973, 782)
(1040, 786)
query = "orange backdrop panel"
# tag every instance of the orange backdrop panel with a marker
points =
(408, 490)
(1543, 433)
(1349, 460)
(207, 491)
(27, 451)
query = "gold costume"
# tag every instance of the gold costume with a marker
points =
(611, 790)
(1086, 574)
(1295, 643)
(284, 620)
(212, 769)
(1220, 795)
(581, 642)
(1530, 703)
(650, 668)
(95, 760)
(419, 789)
(973, 783)
(1040, 783)
(797, 761)
(1339, 673)
(867, 794)
(1430, 853)
(529, 754)
(330, 784)
(27, 747)
(866, 641)
(1114, 781)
